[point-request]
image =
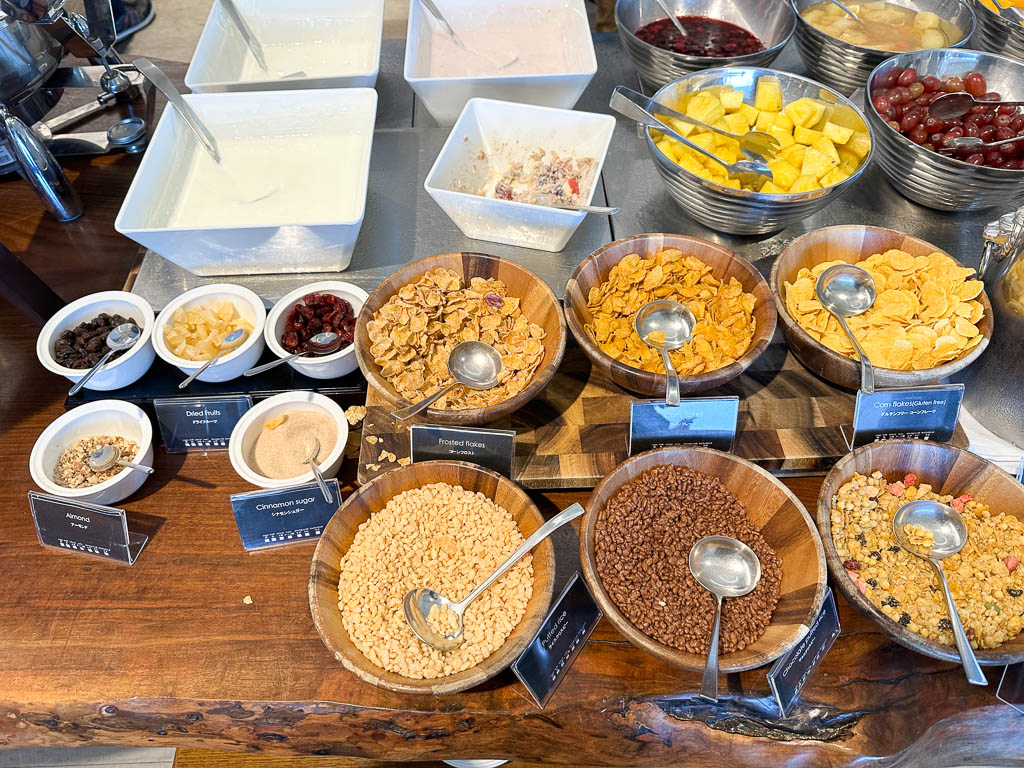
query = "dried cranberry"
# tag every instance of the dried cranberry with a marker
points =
(494, 300)
(852, 565)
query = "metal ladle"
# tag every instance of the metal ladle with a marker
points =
(250, 38)
(109, 456)
(326, 343)
(950, 532)
(725, 567)
(311, 461)
(472, 364)
(434, 11)
(675, 322)
(952, 105)
(121, 337)
(846, 290)
(229, 341)
(847, 11)
(673, 18)
(419, 602)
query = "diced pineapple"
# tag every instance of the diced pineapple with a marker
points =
(793, 154)
(847, 159)
(824, 144)
(816, 163)
(768, 94)
(734, 183)
(783, 173)
(667, 147)
(764, 120)
(805, 111)
(835, 176)
(805, 183)
(783, 121)
(837, 133)
(705, 108)
(681, 126)
(749, 114)
(771, 189)
(704, 140)
(737, 123)
(806, 136)
(731, 100)
(860, 144)
(728, 153)
(686, 162)
(785, 137)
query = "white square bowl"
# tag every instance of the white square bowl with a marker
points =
(312, 146)
(485, 125)
(335, 42)
(564, 27)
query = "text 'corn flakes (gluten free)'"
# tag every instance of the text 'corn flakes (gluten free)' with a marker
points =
(413, 333)
(724, 313)
(926, 311)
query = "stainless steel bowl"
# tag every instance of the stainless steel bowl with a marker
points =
(845, 66)
(932, 179)
(740, 211)
(772, 21)
(996, 34)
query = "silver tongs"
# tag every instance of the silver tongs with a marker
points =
(1003, 237)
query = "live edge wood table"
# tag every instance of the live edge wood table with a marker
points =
(170, 652)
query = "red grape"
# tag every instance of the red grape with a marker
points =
(888, 79)
(931, 84)
(990, 96)
(1007, 109)
(953, 84)
(910, 121)
(976, 159)
(919, 135)
(907, 77)
(975, 84)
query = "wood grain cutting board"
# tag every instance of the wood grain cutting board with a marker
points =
(576, 432)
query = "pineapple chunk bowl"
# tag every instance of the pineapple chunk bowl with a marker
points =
(825, 146)
(219, 299)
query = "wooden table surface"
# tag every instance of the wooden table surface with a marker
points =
(168, 653)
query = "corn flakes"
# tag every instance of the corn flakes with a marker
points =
(724, 313)
(925, 313)
(413, 333)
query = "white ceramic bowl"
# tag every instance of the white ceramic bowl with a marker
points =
(332, 366)
(485, 125)
(308, 149)
(115, 418)
(563, 27)
(123, 371)
(237, 361)
(244, 435)
(335, 42)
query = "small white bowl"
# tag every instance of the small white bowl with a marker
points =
(486, 124)
(330, 366)
(114, 418)
(335, 42)
(123, 371)
(237, 361)
(244, 435)
(569, 31)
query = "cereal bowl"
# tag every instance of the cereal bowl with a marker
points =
(854, 243)
(124, 370)
(237, 361)
(369, 499)
(950, 471)
(537, 301)
(772, 509)
(114, 418)
(330, 366)
(245, 432)
(724, 264)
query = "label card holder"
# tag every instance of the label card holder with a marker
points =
(88, 529)
(566, 629)
(923, 413)
(790, 672)
(705, 421)
(279, 516)
(494, 449)
(199, 424)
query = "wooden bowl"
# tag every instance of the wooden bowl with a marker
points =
(853, 243)
(537, 301)
(773, 510)
(372, 497)
(724, 264)
(948, 470)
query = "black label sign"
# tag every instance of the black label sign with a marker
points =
(491, 448)
(791, 672)
(278, 516)
(705, 421)
(199, 424)
(544, 663)
(88, 529)
(922, 413)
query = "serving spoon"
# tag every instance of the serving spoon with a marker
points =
(847, 11)
(418, 603)
(325, 343)
(673, 18)
(225, 346)
(109, 456)
(952, 105)
(431, 6)
(664, 325)
(846, 290)
(121, 337)
(950, 532)
(748, 172)
(472, 364)
(725, 567)
(250, 38)
(311, 461)
(973, 142)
